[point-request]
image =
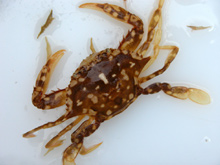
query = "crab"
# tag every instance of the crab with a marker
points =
(107, 82)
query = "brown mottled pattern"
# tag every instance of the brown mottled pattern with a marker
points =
(39, 83)
(106, 93)
(129, 42)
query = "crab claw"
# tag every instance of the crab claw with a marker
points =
(199, 96)
(111, 10)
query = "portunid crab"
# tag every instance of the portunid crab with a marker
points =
(107, 82)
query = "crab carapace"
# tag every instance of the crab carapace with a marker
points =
(107, 82)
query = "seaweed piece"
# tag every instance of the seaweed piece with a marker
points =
(47, 23)
(199, 27)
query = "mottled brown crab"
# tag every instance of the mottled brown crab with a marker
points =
(107, 82)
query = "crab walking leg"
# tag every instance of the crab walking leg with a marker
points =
(157, 38)
(180, 92)
(48, 48)
(134, 36)
(86, 129)
(56, 98)
(30, 134)
(155, 21)
(169, 59)
(63, 118)
(92, 46)
(55, 141)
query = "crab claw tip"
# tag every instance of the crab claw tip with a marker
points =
(29, 135)
(94, 6)
(86, 5)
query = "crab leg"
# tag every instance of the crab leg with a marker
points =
(86, 129)
(56, 98)
(30, 134)
(55, 141)
(169, 59)
(63, 118)
(155, 21)
(92, 46)
(134, 36)
(180, 92)
(157, 38)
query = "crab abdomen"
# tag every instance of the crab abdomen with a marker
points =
(105, 85)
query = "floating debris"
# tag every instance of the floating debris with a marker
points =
(199, 27)
(47, 23)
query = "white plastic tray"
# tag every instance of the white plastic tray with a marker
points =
(156, 129)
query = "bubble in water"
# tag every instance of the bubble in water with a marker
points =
(206, 139)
